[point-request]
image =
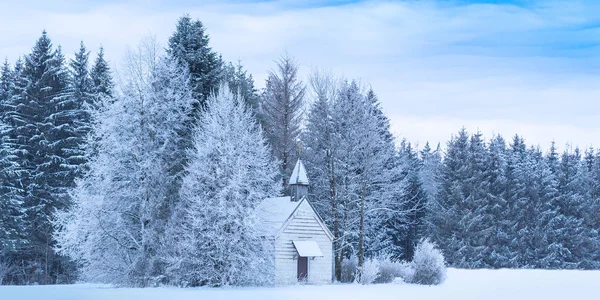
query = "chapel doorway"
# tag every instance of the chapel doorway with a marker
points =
(302, 268)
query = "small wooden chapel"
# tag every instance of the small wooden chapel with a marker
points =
(302, 242)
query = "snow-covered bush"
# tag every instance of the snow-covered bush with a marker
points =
(369, 271)
(390, 270)
(375, 270)
(349, 269)
(428, 264)
(405, 271)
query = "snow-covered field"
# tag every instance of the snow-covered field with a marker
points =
(461, 284)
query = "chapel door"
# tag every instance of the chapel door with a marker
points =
(302, 268)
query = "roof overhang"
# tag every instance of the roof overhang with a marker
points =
(308, 248)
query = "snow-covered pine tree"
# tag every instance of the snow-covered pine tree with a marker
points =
(81, 97)
(6, 80)
(498, 253)
(477, 219)
(189, 47)
(39, 115)
(81, 82)
(431, 161)
(590, 184)
(213, 227)
(124, 202)
(101, 93)
(393, 189)
(542, 246)
(572, 207)
(12, 237)
(447, 230)
(282, 107)
(413, 211)
(399, 214)
(240, 82)
(101, 76)
(383, 123)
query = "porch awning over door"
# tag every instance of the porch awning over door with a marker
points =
(308, 248)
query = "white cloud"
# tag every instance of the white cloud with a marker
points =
(436, 66)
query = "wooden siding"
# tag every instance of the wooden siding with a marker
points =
(303, 225)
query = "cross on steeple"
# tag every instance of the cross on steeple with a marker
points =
(299, 148)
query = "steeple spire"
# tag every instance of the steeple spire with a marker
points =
(298, 182)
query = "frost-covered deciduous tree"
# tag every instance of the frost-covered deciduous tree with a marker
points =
(122, 205)
(213, 228)
(364, 176)
(350, 155)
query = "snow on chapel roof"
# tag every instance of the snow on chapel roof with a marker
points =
(299, 174)
(273, 212)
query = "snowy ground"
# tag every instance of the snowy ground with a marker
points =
(461, 284)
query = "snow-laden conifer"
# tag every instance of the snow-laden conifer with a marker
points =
(213, 229)
(281, 113)
(101, 76)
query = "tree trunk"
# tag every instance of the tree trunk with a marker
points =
(336, 221)
(361, 228)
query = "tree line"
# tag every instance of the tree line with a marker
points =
(154, 180)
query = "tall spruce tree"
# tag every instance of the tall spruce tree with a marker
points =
(12, 237)
(101, 77)
(498, 253)
(449, 232)
(240, 82)
(81, 94)
(41, 116)
(6, 80)
(408, 224)
(189, 47)
(281, 114)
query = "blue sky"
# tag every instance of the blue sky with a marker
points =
(527, 67)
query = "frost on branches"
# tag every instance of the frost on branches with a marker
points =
(213, 232)
(121, 206)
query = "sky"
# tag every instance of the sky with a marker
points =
(499, 67)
